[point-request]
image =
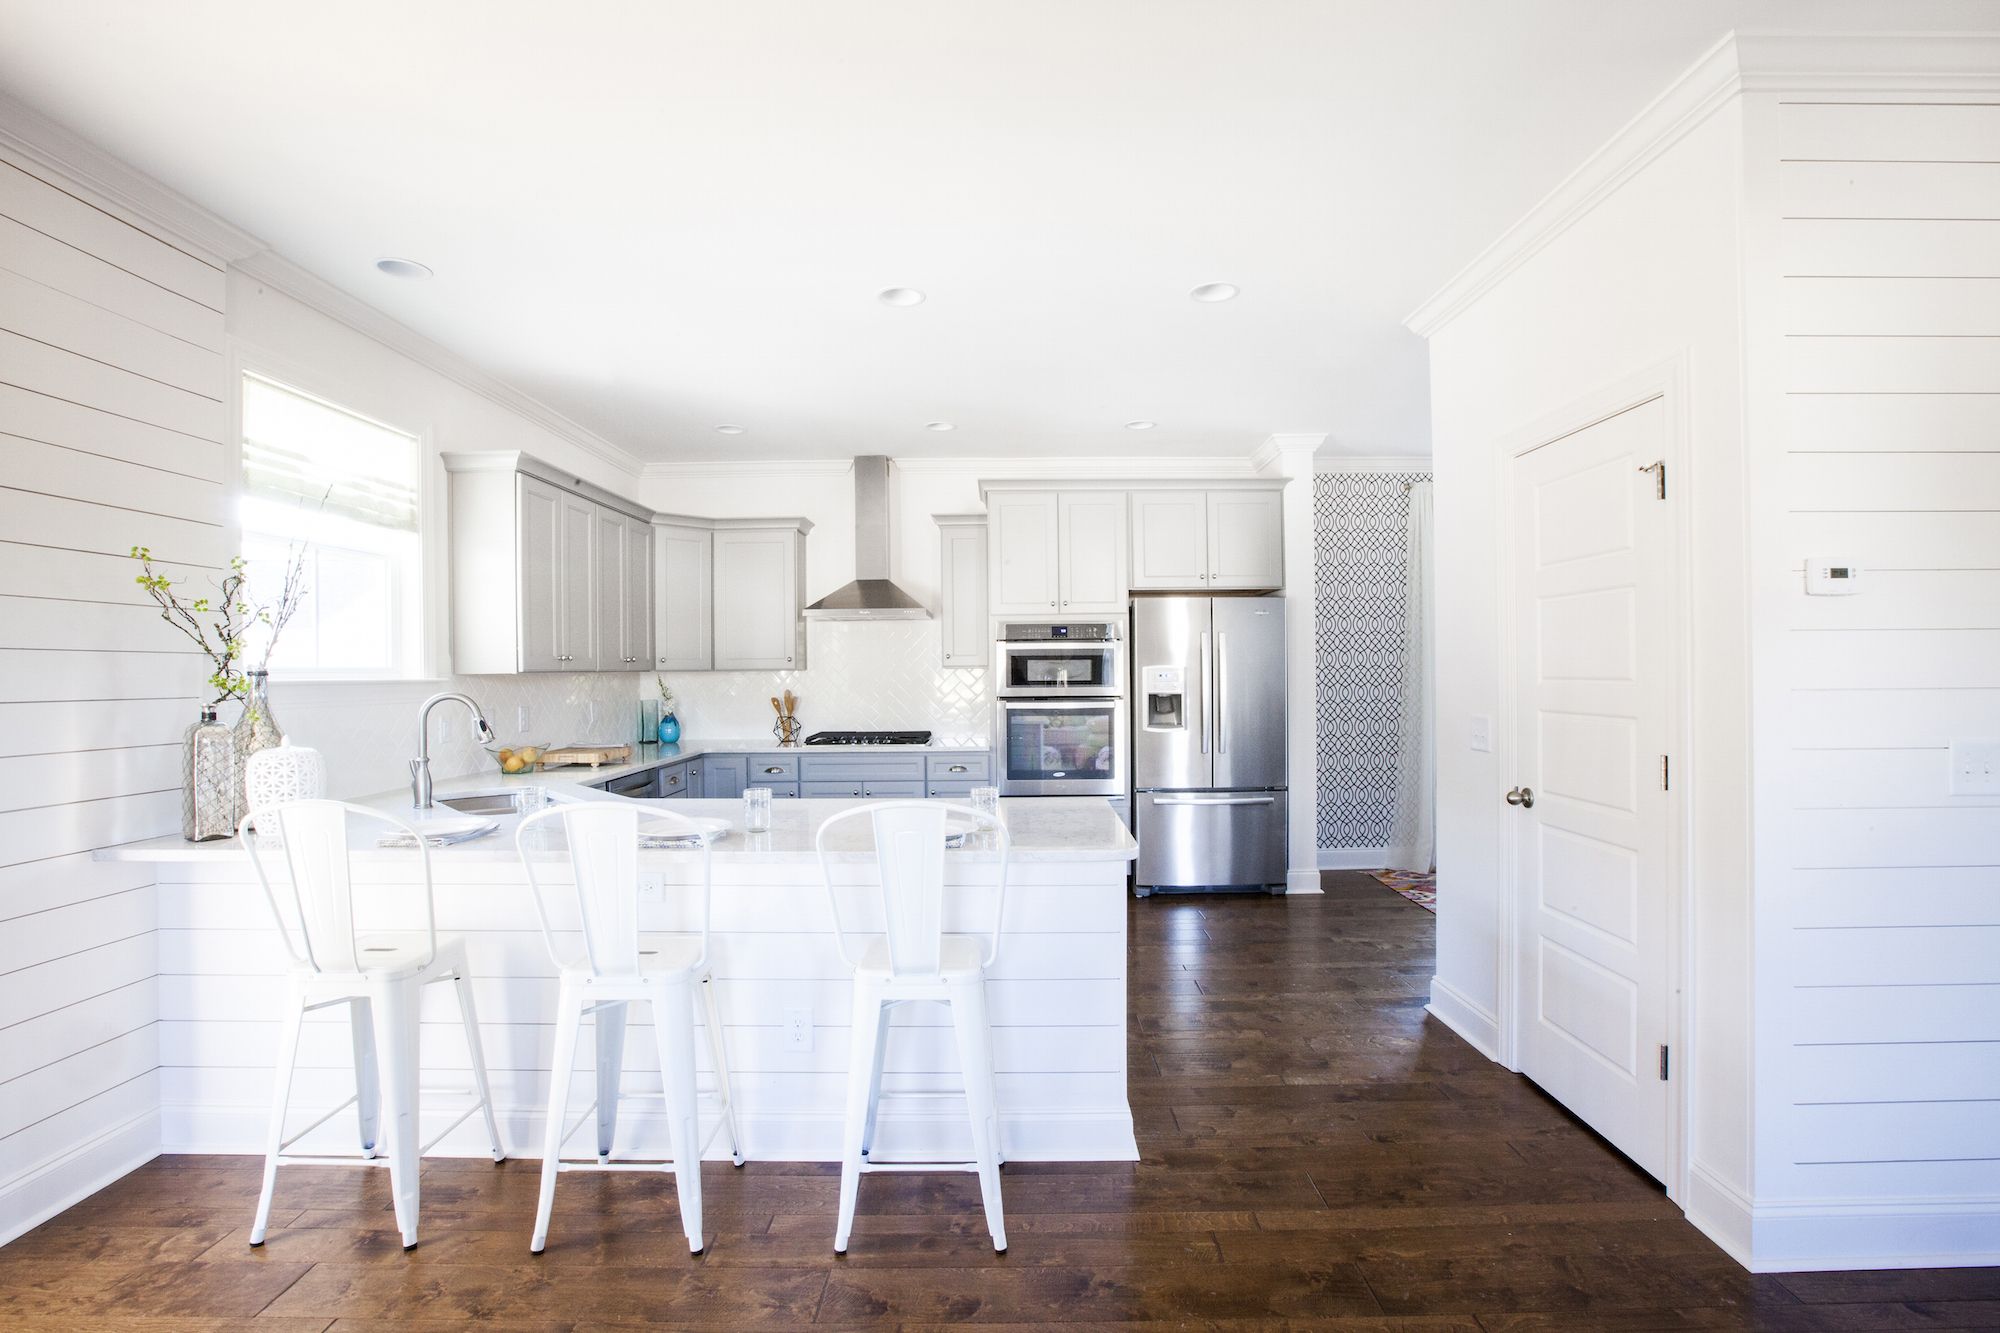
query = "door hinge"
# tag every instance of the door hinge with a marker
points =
(1663, 1064)
(1666, 774)
(1659, 471)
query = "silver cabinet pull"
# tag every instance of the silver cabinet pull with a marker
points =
(1523, 796)
(775, 768)
(1221, 693)
(956, 768)
(1207, 708)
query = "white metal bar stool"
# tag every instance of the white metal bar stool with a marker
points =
(915, 960)
(380, 977)
(618, 966)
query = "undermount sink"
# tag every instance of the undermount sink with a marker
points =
(492, 802)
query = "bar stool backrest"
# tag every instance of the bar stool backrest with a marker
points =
(603, 850)
(321, 878)
(909, 853)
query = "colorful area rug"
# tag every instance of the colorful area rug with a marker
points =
(1419, 889)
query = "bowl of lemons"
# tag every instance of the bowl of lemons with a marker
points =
(518, 758)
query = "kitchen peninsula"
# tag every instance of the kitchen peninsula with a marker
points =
(1057, 990)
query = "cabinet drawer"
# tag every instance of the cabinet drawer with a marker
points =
(674, 780)
(767, 770)
(783, 792)
(893, 791)
(970, 766)
(950, 791)
(825, 790)
(876, 789)
(858, 768)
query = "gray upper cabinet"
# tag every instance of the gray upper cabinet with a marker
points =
(683, 589)
(963, 634)
(1196, 540)
(759, 581)
(1021, 559)
(1090, 559)
(541, 570)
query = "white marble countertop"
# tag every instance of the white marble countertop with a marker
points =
(1042, 828)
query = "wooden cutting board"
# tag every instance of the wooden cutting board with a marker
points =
(593, 755)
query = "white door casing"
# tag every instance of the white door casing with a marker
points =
(1591, 727)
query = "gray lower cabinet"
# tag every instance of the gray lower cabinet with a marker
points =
(722, 776)
(673, 780)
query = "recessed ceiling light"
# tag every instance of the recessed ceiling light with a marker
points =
(730, 430)
(900, 296)
(1215, 291)
(1140, 425)
(403, 268)
(939, 425)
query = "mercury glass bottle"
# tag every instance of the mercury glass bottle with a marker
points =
(255, 730)
(211, 777)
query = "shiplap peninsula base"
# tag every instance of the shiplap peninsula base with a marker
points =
(1057, 994)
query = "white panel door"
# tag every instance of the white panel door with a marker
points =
(1170, 540)
(1589, 715)
(683, 584)
(539, 550)
(576, 618)
(756, 600)
(1021, 553)
(607, 589)
(1091, 552)
(1246, 539)
(964, 635)
(636, 612)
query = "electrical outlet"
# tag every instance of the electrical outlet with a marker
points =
(798, 1028)
(1975, 768)
(521, 720)
(652, 887)
(1482, 734)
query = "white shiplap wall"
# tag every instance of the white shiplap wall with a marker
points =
(1890, 249)
(111, 427)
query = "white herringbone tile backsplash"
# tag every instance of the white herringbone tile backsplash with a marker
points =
(859, 676)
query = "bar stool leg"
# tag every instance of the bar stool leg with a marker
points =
(462, 984)
(274, 1141)
(397, 1043)
(673, 1023)
(868, 1024)
(881, 1057)
(721, 1058)
(569, 1017)
(975, 1056)
(610, 1024)
(367, 1085)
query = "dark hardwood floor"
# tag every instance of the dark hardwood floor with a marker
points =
(1316, 1153)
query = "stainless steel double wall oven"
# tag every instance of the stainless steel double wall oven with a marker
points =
(1060, 708)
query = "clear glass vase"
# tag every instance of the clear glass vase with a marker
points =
(255, 730)
(211, 780)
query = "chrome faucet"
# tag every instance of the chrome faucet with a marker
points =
(420, 767)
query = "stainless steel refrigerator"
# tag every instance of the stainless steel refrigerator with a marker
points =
(1208, 742)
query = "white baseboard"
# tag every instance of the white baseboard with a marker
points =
(942, 1135)
(42, 1191)
(1817, 1235)
(1720, 1211)
(1470, 1021)
(1302, 881)
(1353, 858)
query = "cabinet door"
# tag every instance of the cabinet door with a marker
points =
(1021, 553)
(962, 627)
(1170, 540)
(1246, 539)
(538, 516)
(682, 587)
(1092, 562)
(607, 589)
(893, 790)
(576, 621)
(722, 778)
(635, 612)
(756, 615)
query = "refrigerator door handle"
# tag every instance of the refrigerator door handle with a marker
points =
(1214, 800)
(1221, 693)
(1207, 706)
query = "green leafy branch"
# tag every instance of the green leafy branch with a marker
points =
(218, 625)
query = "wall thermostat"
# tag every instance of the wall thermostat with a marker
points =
(1832, 578)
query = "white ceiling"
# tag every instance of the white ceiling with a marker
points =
(656, 217)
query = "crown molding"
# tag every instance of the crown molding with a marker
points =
(124, 191)
(1672, 116)
(1870, 64)
(1121, 470)
(1287, 455)
(746, 467)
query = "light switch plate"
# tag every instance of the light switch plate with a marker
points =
(1975, 768)
(1832, 578)
(1482, 734)
(521, 719)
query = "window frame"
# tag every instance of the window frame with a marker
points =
(422, 660)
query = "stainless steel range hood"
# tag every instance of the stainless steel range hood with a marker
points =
(871, 596)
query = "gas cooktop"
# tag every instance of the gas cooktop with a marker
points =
(869, 738)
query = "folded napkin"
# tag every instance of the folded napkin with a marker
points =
(437, 840)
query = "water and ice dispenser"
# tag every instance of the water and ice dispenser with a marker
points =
(1164, 689)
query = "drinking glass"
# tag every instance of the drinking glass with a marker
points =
(756, 809)
(986, 800)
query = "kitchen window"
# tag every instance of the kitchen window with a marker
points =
(343, 490)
